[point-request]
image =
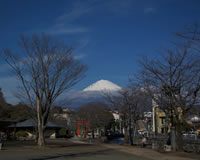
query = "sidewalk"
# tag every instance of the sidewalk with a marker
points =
(153, 154)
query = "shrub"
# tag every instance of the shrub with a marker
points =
(62, 132)
(21, 134)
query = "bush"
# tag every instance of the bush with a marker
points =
(21, 134)
(62, 132)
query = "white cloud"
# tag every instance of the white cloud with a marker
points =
(77, 11)
(65, 23)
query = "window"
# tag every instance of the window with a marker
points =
(162, 130)
(163, 120)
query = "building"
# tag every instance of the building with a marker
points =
(29, 127)
(194, 121)
(118, 119)
(159, 123)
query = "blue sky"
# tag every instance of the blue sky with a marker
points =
(108, 35)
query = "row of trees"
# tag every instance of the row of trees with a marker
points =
(171, 81)
(131, 103)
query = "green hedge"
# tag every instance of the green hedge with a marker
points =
(21, 134)
(62, 132)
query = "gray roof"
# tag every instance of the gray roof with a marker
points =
(32, 123)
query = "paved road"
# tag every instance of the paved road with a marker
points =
(78, 150)
(66, 152)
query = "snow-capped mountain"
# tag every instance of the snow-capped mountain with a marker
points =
(95, 92)
(103, 85)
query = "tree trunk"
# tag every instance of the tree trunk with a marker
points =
(41, 141)
(36, 134)
(130, 135)
(92, 133)
(126, 134)
(173, 138)
(179, 139)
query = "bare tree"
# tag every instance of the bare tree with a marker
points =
(131, 103)
(174, 82)
(191, 36)
(46, 68)
(98, 115)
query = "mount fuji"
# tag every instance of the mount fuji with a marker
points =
(93, 93)
(102, 85)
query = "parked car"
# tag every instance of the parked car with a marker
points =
(96, 135)
(142, 132)
(190, 134)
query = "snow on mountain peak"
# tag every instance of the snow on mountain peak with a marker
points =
(102, 85)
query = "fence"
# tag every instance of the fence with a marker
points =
(159, 143)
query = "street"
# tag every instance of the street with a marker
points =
(97, 154)
(78, 150)
(73, 151)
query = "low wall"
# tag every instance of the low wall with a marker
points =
(159, 143)
(191, 146)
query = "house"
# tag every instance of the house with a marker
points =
(160, 123)
(194, 121)
(29, 127)
(118, 119)
(64, 115)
